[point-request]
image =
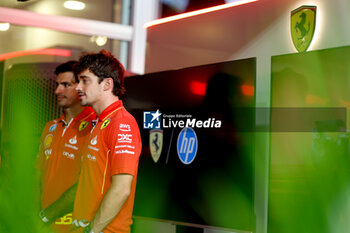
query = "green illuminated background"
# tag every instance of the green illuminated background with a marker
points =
(28, 102)
(309, 185)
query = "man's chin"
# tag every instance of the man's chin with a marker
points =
(85, 104)
(62, 105)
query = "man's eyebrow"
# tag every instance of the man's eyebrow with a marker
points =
(63, 82)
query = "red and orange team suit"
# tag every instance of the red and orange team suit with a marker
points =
(59, 159)
(114, 147)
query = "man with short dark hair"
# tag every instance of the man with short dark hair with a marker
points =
(107, 183)
(59, 155)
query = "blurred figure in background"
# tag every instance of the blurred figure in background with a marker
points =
(59, 155)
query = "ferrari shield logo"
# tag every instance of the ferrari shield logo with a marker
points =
(83, 125)
(105, 123)
(156, 143)
(303, 20)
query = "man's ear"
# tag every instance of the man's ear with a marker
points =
(108, 84)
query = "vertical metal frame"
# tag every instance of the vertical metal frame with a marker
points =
(143, 12)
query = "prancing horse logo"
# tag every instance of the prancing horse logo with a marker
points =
(303, 21)
(156, 143)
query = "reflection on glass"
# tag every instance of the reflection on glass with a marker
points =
(309, 171)
(22, 39)
(103, 10)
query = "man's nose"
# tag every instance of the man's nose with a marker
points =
(58, 90)
(78, 87)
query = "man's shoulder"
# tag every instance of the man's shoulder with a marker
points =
(123, 127)
(123, 116)
(122, 122)
(51, 125)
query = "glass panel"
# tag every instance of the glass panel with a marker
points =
(20, 38)
(310, 171)
(102, 10)
(174, 7)
(212, 182)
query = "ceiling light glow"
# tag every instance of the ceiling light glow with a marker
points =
(4, 26)
(74, 5)
(197, 12)
(101, 40)
(52, 52)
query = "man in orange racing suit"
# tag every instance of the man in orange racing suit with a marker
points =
(106, 189)
(59, 156)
